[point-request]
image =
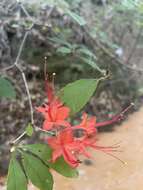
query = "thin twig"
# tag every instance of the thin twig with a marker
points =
(134, 46)
(36, 129)
(31, 18)
(7, 68)
(101, 46)
(117, 60)
(18, 66)
(19, 52)
(29, 97)
(19, 137)
(21, 48)
(26, 12)
(45, 131)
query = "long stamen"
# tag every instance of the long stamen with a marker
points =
(45, 69)
(105, 149)
(115, 118)
(53, 80)
(48, 87)
(117, 143)
(108, 147)
(108, 151)
(112, 155)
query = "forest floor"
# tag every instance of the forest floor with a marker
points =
(105, 172)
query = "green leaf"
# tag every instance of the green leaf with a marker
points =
(129, 4)
(29, 130)
(80, 20)
(60, 41)
(93, 33)
(63, 168)
(92, 64)
(43, 151)
(37, 172)
(64, 50)
(16, 177)
(48, 2)
(62, 5)
(6, 89)
(38, 3)
(77, 94)
(87, 52)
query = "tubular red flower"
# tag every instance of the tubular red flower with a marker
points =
(55, 115)
(49, 88)
(64, 145)
(115, 118)
(87, 124)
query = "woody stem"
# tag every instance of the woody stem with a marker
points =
(19, 137)
(45, 131)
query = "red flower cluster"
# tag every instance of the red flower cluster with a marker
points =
(70, 141)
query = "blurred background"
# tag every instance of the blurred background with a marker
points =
(81, 39)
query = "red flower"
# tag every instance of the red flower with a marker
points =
(55, 114)
(87, 124)
(64, 145)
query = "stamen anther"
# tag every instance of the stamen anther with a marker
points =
(53, 79)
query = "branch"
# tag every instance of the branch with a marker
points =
(31, 18)
(44, 131)
(111, 54)
(37, 129)
(134, 46)
(19, 52)
(18, 66)
(18, 138)
(29, 97)
(21, 47)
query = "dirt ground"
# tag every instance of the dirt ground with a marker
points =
(107, 173)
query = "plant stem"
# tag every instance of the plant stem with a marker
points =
(19, 137)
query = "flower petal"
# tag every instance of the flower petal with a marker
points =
(44, 111)
(63, 113)
(47, 125)
(56, 154)
(66, 137)
(63, 123)
(70, 158)
(54, 142)
(53, 110)
(49, 87)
